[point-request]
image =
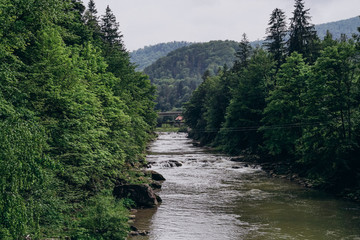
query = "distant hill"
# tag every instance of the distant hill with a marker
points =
(347, 27)
(179, 73)
(146, 56)
(192, 61)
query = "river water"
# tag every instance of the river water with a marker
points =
(211, 198)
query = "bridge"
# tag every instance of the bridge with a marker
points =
(172, 118)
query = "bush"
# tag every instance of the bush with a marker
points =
(103, 217)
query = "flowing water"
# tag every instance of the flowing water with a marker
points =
(211, 198)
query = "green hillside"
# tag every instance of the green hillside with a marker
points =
(179, 73)
(146, 56)
(347, 27)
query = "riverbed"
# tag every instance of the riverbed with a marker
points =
(210, 197)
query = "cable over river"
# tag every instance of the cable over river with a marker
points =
(211, 198)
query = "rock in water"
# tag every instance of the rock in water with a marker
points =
(155, 175)
(141, 194)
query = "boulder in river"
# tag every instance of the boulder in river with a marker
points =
(141, 194)
(171, 164)
(155, 175)
(155, 185)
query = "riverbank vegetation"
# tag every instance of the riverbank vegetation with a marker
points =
(75, 118)
(297, 101)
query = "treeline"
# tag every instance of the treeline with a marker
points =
(338, 28)
(75, 118)
(179, 73)
(297, 101)
(146, 56)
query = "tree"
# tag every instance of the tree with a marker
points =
(244, 113)
(243, 53)
(91, 19)
(329, 147)
(110, 29)
(275, 40)
(195, 109)
(283, 113)
(302, 32)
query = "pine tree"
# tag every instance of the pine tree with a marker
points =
(243, 54)
(91, 19)
(110, 29)
(275, 40)
(302, 32)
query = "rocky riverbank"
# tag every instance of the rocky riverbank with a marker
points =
(284, 170)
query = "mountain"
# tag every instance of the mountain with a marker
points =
(179, 73)
(347, 27)
(146, 56)
(192, 61)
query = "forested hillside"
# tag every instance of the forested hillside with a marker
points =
(177, 74)
(146, 56)
(75, 118)
(347, 27)
(181, 71)
(295, 102)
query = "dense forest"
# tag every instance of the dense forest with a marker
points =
(296, 101)
(177, 68)
(75, 118)
(179, 73)
(146, 56)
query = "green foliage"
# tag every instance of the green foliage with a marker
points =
(22, 163)
(283, 113)
(179, 73)
(244, 113)
(301, 113)
(243, 54)
(103, 218)
(275, 40)
(302, 33)
(74, 121)
(329, 147)
(146, 56)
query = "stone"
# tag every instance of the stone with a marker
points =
(237, 159)
(139, 233)
(155, 185)
(155, 175)
(176, 163)
(141, 194)
(158, 198)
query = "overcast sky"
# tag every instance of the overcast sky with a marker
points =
(148, 22)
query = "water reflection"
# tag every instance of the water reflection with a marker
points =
(212, 198)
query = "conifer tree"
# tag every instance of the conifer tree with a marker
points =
(243, 54)
(275, 40)
(302, 32)
(110, 29)
(91, 19)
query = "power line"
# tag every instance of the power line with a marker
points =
(263, 127)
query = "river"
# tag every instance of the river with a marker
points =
(211, 198)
